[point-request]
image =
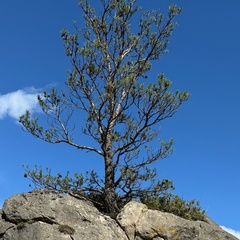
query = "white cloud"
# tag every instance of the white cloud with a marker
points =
(231, 231)
(15, 104)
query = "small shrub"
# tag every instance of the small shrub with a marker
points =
(174, 204)
(20, 225)
(66, 229)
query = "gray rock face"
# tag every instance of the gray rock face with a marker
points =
(42, 214)
(140, 223)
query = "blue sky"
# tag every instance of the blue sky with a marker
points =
(203, 59)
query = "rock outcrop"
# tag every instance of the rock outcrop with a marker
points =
(140, 223)
(42, 214)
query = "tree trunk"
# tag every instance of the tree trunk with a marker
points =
(110, 194)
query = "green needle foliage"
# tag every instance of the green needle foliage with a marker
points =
(111, 59)
(174, 204)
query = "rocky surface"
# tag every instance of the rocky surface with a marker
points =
(140, 223)
(42, 214)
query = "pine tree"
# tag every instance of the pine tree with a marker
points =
(111, 60)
